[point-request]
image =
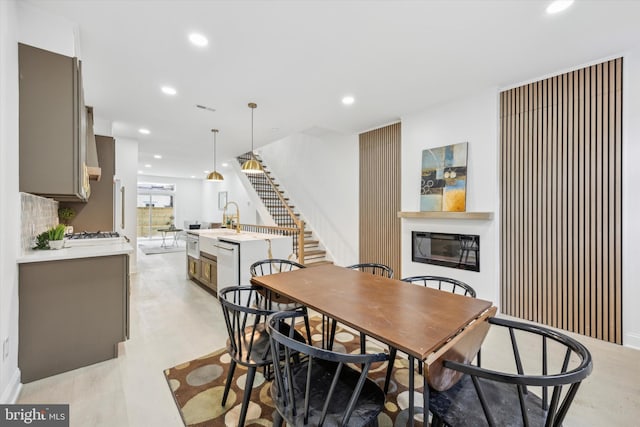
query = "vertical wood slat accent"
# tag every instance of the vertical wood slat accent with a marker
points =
(380, 197)
(561, 201)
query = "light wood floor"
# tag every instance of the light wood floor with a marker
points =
(173, 321)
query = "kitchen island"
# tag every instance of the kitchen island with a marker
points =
(74, 307)
(220, 257)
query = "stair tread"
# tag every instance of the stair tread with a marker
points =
(317, 263)
(314, 252)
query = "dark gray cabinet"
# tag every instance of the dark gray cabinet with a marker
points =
(97, 213)
(52, 125)
(72, 313)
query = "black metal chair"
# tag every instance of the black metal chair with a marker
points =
(443, 283)
(373, 268)
(266, 267)
(278, 302)
(248, 343)
(501, 398)
(318, 387)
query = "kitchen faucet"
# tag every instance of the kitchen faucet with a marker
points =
(230, 218)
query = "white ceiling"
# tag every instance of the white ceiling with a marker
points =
(297, 59)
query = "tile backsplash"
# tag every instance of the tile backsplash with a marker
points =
(38, 214)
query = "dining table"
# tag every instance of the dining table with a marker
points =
(174, 241)
(426, 324)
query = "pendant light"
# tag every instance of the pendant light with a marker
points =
(214, 176)
(252, 165)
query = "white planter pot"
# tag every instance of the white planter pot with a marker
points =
(56, 244)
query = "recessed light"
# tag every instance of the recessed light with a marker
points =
(558, 6)
(198, 39)
(168, 90)
(207, 171)
(157, 156)
(147, 165)
(140, 172)
(224, 165)
(348, 100)
(144, 131)
(193, 176)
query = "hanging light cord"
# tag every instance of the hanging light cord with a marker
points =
(252, 131)
(214, 149)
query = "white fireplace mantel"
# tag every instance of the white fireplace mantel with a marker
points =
(447, 215)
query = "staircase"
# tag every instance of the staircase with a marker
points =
(284, 213)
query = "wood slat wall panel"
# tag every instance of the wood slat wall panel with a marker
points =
(380, 197)
(561, 201)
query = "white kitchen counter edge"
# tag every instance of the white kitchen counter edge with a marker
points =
(76, 252)
(232, 237)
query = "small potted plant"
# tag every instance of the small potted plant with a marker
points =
(66, 214)
(53, 238)
(170, 223)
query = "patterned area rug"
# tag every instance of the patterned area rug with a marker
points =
(197, 387)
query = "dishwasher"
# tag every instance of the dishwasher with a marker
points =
(228, 264)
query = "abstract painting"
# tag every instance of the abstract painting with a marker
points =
(443, 184)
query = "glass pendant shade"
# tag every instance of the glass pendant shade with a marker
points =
(252, 165)
(214, 176)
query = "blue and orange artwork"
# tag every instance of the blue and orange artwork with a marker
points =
(443, 183)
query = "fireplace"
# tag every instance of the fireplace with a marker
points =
(449, 250)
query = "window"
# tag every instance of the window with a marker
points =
(155, 208)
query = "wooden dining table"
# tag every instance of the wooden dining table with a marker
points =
(419, 321)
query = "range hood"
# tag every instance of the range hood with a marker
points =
(93, 168)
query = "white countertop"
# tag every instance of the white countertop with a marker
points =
(76, 252)
(233, 236)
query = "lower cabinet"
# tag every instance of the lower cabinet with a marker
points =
(193, 268)
(209, 271)
(203, 270)
(72, 313)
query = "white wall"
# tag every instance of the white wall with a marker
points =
(9, 214)
(630, 199)
(473, 120)
(50, 32)
(320, 175)
(126, 172)
(236, 192)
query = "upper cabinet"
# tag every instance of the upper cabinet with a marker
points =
(53, 126)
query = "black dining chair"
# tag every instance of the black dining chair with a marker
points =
(269, 266)
(278, 302)
(316, 387)
(443, 283)
(530, 393)
(248, 343)
(373, 268)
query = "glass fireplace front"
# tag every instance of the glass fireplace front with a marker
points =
(449, 250)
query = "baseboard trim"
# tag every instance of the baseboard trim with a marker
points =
(12, 391)
(631, 340)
